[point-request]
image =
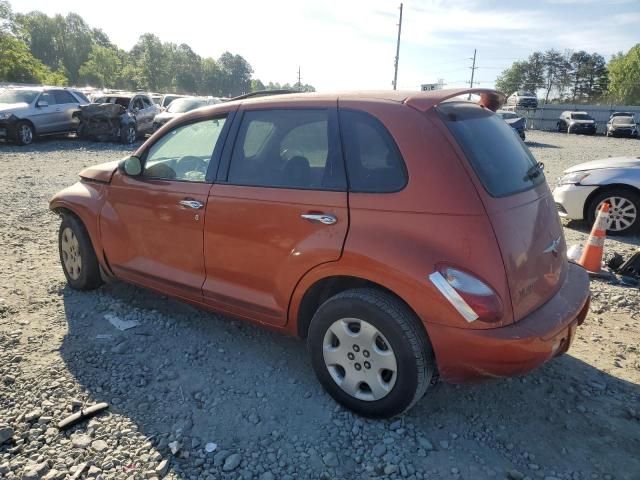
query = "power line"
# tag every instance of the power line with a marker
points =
(395, 74)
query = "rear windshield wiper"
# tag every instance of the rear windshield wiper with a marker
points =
(534, 171)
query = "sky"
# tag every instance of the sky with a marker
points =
(351, 44)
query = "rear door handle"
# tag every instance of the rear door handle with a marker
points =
(195, 204)
(323, 218)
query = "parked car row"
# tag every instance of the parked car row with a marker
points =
(620, 124)
(105, 116)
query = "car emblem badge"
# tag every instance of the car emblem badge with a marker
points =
(553, 247)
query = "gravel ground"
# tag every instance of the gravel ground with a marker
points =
(193, 396)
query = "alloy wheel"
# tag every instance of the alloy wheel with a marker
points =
(70, 248)
(360, 359)
(131, 134)
(622, 213)
(25, 134)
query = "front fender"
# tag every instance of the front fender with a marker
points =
(84, 200)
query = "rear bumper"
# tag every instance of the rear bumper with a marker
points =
(465, 355)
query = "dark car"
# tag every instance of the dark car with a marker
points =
(400, 233)
(576, 122)
(515, 121)
(119, 117)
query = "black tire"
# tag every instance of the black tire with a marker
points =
(25, 134)
(84, 275)
(402, 330)
(626, 193)
(128, 134)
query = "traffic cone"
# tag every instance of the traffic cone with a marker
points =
(591, 257)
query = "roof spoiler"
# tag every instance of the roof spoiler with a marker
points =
(489, 98)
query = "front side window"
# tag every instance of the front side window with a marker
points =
(47, 97)
(287, 148)
(185, 152)
(374, 163)
(501, 160)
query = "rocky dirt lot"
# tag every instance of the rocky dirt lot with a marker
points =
(197, 396)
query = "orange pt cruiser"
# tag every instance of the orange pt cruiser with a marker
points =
(403, 235)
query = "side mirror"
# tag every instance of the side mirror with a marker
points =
(131, 166)
(42, 103)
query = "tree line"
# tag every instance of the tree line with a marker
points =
(65, 50)
(576, 77)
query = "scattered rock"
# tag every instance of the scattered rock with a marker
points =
(232, 462)
(331, 459)
(6, 433)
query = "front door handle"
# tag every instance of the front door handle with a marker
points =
(320, 218)
(195, 204)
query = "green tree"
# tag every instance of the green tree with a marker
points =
(187, 66)
(211, 81)
(18, 65)
(534, 72)
(257, 85)
(236, 74)
(512, 78)
(102, 68)
(624, 77)
(589, 76)
(152, 60)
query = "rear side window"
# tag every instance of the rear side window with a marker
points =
(501, 160)
(294, 148)
(374, 163)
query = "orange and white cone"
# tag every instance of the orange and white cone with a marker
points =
(593, 252)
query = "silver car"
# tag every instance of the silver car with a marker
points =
(622, 126)
(583, 189)
(27, 112)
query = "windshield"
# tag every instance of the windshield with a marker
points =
(182, 105)
(526, 94)
(622, 120)
(580, 116)
(18, 96)
(501, 160)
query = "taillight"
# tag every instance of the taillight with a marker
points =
(473, 298)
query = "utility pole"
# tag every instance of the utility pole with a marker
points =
(473, 70)
(299, 80)
(395, 75)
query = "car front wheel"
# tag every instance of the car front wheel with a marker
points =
(79, 261)
(129, 134)
(24, 133)
(370, 352)
(624, 210)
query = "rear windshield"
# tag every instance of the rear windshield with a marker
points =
(501, 160)
(580, 116)
(622, 120)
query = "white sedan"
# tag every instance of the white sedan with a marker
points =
(585, 187)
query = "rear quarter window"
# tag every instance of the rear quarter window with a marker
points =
(374, 163)
(501, 160)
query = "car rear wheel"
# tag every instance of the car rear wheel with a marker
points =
(370, 352)
(624, 210)
(129, 134)
(78, 259)
(24, 133)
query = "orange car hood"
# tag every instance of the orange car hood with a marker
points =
(103, 172)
